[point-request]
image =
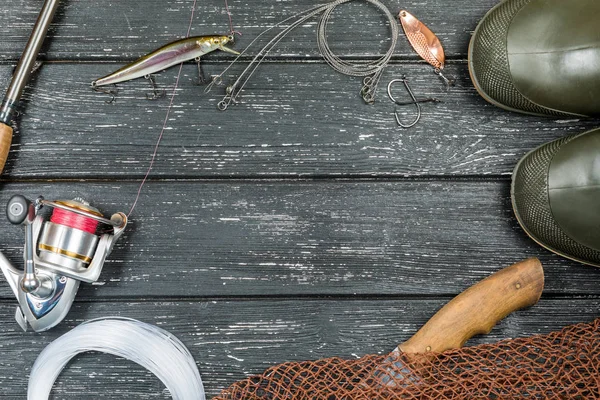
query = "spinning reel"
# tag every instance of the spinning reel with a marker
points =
(61, 250)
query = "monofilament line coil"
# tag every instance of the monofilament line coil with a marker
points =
(149, 346)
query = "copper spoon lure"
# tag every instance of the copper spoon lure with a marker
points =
(425, 43)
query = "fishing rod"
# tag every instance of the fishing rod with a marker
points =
(21, 76)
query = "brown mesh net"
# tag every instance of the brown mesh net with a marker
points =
(560, 365)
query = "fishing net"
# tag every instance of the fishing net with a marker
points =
(559, 365)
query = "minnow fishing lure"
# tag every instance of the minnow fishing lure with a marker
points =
(174, 53)
(425, 43)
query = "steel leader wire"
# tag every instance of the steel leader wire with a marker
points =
(371, 70)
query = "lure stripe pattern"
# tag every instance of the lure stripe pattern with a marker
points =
(559, 365)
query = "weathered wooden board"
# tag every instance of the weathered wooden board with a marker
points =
(231, 339)
(228, 249)
(248, 238)
(299, 119)
(120, 30)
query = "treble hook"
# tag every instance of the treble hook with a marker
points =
(112, 92)
(201, 79)
(155, 93)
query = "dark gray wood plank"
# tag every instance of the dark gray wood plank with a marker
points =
(294, 120)
(119, 30)
(231, 339)
(249, 238)
(247, 264)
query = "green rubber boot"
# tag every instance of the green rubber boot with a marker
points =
(539, 57)
(556, 196)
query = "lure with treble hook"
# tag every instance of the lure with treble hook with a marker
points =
(174, 53)
(425, 43)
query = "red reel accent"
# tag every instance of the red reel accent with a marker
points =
(73, 220)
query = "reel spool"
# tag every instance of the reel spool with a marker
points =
(62, 250)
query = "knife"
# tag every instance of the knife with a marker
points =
(21, 76)
(475, 311)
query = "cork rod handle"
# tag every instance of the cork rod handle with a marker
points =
(6, 133)
(479, 308)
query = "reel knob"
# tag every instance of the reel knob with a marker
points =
(17, 209)
(30, 283)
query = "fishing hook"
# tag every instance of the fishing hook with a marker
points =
(112, 92)
(414, 101)
(201, 79)
(156, 94)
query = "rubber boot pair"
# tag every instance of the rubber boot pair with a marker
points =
(542, 57)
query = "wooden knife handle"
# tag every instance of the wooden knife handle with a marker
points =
(479, 308)
(6, 133)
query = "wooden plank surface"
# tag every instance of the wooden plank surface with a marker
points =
(301, 223)
(230, 339)
(294, 120)
(124, 30)
(306, 238)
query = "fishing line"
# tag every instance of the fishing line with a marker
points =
(73, 220)
(170, 107)
(153, 348)
(232, 31)
(370, 69)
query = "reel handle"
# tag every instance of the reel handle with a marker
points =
(19, 210)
